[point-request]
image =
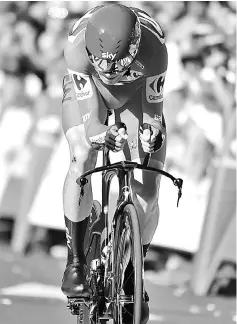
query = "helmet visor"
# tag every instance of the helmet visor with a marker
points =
(113, 66)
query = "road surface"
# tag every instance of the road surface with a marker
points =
(30, 293)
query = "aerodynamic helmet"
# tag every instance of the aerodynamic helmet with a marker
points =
(112, 38)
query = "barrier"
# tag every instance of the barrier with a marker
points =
(42, 143)
(15, 126)
(218, 237)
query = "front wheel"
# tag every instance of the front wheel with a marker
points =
(127, 267)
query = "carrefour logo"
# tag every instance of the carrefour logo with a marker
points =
(155, 87)
(82, 85)
(79, 81)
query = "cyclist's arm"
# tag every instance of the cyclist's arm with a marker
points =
(88, 103)
(152, 99)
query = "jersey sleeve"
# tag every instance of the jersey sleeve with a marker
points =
(89, 106)
(154, 54)
(153, 87)
(84, 89)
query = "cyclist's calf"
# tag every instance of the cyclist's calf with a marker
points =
(82, 158)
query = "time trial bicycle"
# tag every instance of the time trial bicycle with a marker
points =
(110, 247)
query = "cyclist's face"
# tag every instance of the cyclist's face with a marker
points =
(110, 78)
(110, 72)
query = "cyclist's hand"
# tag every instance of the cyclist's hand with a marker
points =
(116, 137)
(152, 138)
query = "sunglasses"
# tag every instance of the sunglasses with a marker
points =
(110, 66)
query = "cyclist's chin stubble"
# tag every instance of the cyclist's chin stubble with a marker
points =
(112, 81)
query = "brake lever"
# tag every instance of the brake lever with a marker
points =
(83, 182)
(178, 183)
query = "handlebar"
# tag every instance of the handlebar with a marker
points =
(130, 166)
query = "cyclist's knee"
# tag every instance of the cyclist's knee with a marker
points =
(150, 198)
(82, 155)
(147, 193)
(81, 159)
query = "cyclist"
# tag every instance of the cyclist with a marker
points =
(117, 60)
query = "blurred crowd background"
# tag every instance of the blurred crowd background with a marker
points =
(200, 94)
